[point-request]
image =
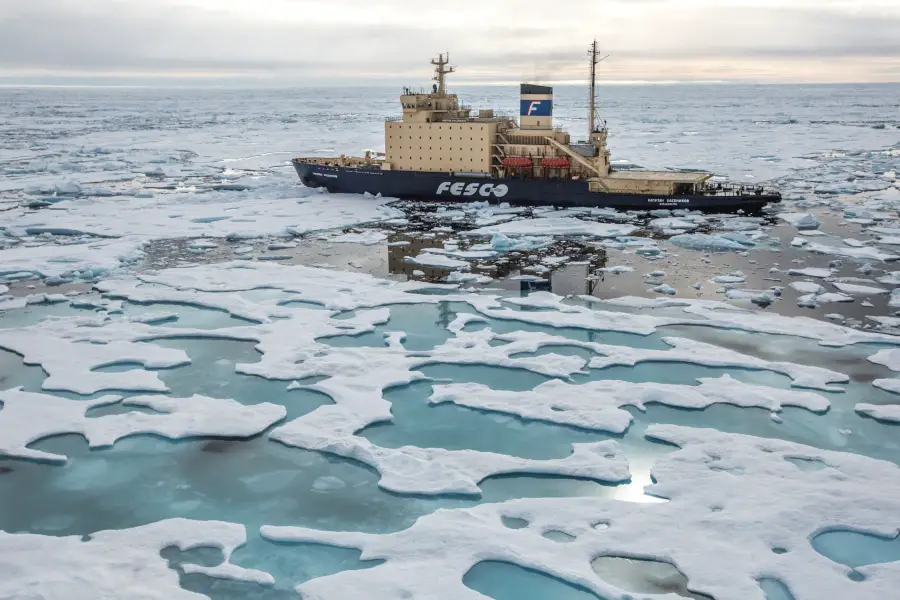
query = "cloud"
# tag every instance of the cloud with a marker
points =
(313, 41)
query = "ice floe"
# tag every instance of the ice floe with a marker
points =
(560, 226)
(616, 270)
(800, 220)
(859, 290)
(110, 564)
(703, 241)
(818, 272)
(431, 259)
(598, 405)
(369, 237)
(807, 287)
(889, 413)
(28, 417)
(88, 261)
(721, 315)
(865, 253)
(889, 358)
(71, 350)
(888, 385)
(692, 351)
(666, 289)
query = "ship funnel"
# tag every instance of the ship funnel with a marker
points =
(536, 107)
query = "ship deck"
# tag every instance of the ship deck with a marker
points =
(674, 177)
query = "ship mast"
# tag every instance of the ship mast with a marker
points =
(440, 72)
(592, 115)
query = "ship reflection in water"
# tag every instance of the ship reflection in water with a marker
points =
(521, 272)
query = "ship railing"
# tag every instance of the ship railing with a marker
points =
(734, 189)
(393, 119)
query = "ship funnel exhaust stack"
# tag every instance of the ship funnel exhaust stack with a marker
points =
(536, 107)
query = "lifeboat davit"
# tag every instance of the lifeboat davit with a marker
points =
(555, 162)
(517, 162)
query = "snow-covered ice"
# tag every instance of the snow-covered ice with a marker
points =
(859, 290)
(703, 241)
(598, 405)
(431, 259)
(807, 287)
(800, 220)
(565, 226)
(811, 272)
(110, 564)
(28, 417)
(865, 253)
(889, 413)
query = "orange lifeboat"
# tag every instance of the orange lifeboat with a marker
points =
(555, 162)
(517, 162)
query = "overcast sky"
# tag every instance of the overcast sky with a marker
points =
(289, 42)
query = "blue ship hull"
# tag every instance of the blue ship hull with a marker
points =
(419, 185)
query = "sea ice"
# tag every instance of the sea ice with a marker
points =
(811, 272)
(369, 237)
(459, 277)
(503, 243)
(692, 351)
(885, 321)
(28, 417)
(673, 224)
(888, 231)
(889, 413)
(598, 405)
(800, 220)
(859, 290)
(556, 226)
(665, 289)
(90, 260)
(889, 358)
(735, 277)
(866, 253)
(807, 287)
(617, 270)
(888, 385)
(203, 285)
(712, 482)
(702, 241)
(69, 352)
(119, 563)
(430, 259)
(274, 211)
(203, 244)
(715, 314)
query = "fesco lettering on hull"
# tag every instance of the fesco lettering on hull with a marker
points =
(439, 186)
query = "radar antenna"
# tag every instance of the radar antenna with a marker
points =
(592, 115)
(440, 72)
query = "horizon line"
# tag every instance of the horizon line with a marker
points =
(218, 84)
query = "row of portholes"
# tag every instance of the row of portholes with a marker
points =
(471, 150)
(449, 127)
(449, 139)
(441, 158)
